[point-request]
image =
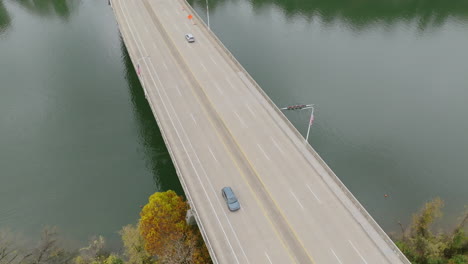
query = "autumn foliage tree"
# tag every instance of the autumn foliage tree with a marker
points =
(166, 233)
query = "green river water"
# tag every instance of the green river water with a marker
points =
(79, 147)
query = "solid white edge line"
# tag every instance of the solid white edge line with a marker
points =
(336, 256)
(310, 189)
(297, 200)
(357, 251)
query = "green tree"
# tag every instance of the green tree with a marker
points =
(421, 246)
(113, 259)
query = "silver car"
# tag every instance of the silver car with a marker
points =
(189, 38)
(230, 198)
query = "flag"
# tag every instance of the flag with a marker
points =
(311, 119)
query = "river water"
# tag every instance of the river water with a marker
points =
(79, 147)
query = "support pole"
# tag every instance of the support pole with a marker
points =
(310, 123)
(208, 14)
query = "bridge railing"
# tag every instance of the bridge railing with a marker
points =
(293, 129)
(182, 181)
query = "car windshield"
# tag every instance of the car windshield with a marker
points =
(232, 199)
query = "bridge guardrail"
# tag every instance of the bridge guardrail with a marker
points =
(293, 129)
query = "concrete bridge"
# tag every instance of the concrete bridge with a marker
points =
(221, 129)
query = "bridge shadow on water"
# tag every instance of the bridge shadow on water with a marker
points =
(155, 150)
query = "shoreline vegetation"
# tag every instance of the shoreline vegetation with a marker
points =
(422, 246)
(162, 236)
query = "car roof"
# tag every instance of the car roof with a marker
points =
(228, 191)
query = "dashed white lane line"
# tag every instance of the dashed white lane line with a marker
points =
(146, 29)
(193, 118)
(241, 120)
(177, 27)
(178, 90)
(268, 257)
(264, 153)
(214, 157)
(276, 145)
(219, 89)
(310, 189)
(230, 83)
(213, 60)
(165, 66)
(250, 110)
(357, 251)
(297, 200)
(337, 258)
(187, 26)
(203, 66)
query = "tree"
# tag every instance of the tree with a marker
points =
(166, 233)
(134, 246)
(421, 246)
(94, 253)
(113, 259)
(458, 241)
(47, 251)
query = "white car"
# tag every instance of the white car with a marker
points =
(189, 38)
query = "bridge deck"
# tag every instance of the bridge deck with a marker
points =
(221, 130)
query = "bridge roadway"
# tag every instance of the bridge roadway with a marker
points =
(221, 130)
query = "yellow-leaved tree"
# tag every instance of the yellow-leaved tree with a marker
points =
(166, 233)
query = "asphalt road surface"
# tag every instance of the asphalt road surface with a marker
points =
(222, 131)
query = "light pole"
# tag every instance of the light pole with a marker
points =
(303, 107)
(208, 14)
(310, 122)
